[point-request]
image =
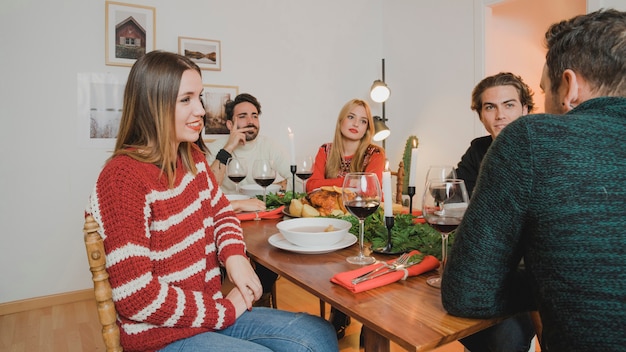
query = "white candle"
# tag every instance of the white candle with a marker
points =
(413, 172)
(292, 147)
(387, 196)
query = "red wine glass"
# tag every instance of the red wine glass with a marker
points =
(443, 205)
(236, 171)
(361, 196)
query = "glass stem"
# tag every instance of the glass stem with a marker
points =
(444, 251)
(361, 230)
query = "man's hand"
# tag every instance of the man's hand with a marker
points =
(237, 137)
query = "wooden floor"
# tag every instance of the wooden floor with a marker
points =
(74, 327)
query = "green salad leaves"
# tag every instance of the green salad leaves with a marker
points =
(275, 200)
(405, 234)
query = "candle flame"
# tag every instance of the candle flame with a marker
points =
(289, 130)
(387, 165)
(414, 143)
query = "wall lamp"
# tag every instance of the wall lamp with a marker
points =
(381, 129)
(380, 93)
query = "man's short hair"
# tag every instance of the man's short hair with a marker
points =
(503, 79)
(593, 46)
(241, 98)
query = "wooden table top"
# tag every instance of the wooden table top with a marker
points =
(406, 312)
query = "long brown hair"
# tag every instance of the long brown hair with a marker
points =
(333, 165)
(147, 130)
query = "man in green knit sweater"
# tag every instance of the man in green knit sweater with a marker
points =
(552, 190)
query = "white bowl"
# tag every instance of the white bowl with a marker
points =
(310, 232)
(253, 190)
(232, 197)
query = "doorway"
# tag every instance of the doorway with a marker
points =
(510, 37)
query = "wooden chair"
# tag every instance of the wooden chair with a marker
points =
(101, 285)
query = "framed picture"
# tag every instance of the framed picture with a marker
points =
(130, 32)
(100, 99)
(206, 53)
(215, 96)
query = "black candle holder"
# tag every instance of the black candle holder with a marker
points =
(293, 168)
(389, 222)
(411, 192)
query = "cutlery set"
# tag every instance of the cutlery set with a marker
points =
(401, 263)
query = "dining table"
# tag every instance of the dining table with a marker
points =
(408, 312)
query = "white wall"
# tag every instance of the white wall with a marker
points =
(429, 51)
(516, 35)
(593, 5)
(302, 59)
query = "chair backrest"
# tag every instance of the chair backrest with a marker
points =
(101, 285)
(399, 181)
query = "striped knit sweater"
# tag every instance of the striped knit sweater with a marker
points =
(164, 248)
(552, 188)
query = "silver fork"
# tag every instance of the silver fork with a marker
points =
(397, 268)
(401, 261)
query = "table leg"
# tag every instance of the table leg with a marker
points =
(374, 341)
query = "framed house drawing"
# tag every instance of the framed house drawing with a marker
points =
(130, 32)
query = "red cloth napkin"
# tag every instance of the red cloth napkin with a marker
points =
(420, 220)
(272, 214)
(345, 278)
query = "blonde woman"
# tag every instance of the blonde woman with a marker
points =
(351, 151)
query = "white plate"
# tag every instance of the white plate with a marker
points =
(279, 241)
(253, 190)
(232, 197)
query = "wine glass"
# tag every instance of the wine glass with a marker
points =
(440, 172)
(304, 171)
(263, 174)
(443, 206)
(236, 171)
(361, 196)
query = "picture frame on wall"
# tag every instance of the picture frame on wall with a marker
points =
(206, 53)
(214, 97)
(130, 32)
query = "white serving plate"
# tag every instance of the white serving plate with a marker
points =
(232, 197)
(279, 241)
(254, 190)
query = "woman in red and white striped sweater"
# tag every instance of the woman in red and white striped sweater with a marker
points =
(167, 229)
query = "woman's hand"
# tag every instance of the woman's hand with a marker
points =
(252, 204)
(238, 301)
(246, 281)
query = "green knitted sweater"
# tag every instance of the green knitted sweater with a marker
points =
(551, 189)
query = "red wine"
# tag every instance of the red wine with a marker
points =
(304, 175)
(264, 181)
(362, 209)
(444, 224)
(236, 178)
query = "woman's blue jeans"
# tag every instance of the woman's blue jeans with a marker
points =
(265, 329)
